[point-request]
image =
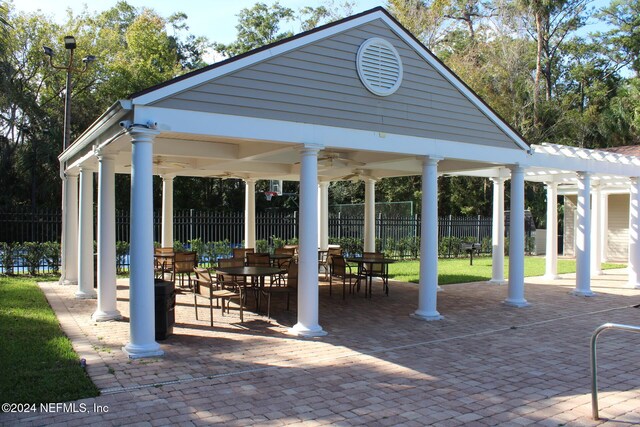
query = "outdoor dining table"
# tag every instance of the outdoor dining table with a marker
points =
(368, 276)
(251, 271)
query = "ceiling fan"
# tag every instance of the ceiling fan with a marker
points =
(162, 163)
(332, 159)
(356, 175)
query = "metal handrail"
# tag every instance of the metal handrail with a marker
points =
(594, 379)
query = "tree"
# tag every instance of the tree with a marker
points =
(623, 40)
(257, 27)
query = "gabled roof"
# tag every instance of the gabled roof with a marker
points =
(192, 79)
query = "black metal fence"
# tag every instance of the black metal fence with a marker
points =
(19, 226)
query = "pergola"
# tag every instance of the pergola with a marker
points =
(360, 97)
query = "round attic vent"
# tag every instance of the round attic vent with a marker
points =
(379, 66)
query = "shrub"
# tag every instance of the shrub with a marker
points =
(262, 246)
(487, 245)
(51, 254)
(450, 246)
(7, 257)
(220, 249)
(278, 242)
(32, 253)
(178, 247)
(198, 246)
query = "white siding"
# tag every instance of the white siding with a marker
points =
(618, 233)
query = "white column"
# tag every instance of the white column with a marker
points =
(551, 256)
(583, 237)
(497, 232)
(249, 213)
(142, 328)
(107, 299)
(85, 237)
(70, 247)
(634, 233)
(428, 288)
(308, 246)
(167, 212)
(323, 210)
(516, 240)
(604, 227)
(63, 226)
(369, 215)
(596, 242)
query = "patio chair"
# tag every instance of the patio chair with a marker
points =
(285, 251)
(241, 253)
(258, 259)
(341, 270)
(205, 287)
(372, 270)
(291, 287)
(325, 261)
(163, 263)
(184, 263)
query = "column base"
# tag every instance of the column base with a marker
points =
(439, 289)
(633, 285)
(68, 282)
(302, 331)
(551, 277)
(86, 295)
(426, 316)
(596, 273)
(134, 351)
(580, 293)
(518, 303)
(497, 282)
(104, 316)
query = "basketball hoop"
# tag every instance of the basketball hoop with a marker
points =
(269, 195)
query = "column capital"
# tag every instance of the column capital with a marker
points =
(167, 177)
(324, 183)
(310, 149)
(431, 160)
(249, 180)
(369, 179)
(498, 179)
(71, 174)
(102, 156)
(551, 184)
(633, 180)
(517, 167)
(139, 133)
(86, 168)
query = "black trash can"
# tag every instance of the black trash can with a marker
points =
(165, 308)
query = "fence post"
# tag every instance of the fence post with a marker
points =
(190, 224)
(449, 234)
(478, 233)
(339, 225)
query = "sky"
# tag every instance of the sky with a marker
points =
(215, 19)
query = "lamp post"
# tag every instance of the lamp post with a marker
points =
(68, 246)
(70, 45)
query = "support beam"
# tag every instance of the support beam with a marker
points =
(85, 237)
(323, 210)
(308, 299)
(551, 256)
(249, 213)
(70, 230)
(428, 290)
(142, 329)
(516, 240)
(167, 211)
(497, 233)
(634, 233)
(369, 215)
(107, 298)
(583, 237)
(596, 235)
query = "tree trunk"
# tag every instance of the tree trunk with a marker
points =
(536, 84)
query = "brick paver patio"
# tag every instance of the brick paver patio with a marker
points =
(484, 364)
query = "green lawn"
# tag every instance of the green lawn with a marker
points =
(458, 270)
(37, 362)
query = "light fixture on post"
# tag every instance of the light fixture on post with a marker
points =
(70, 45)
(66, 247)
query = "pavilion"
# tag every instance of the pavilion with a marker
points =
(358, 97)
